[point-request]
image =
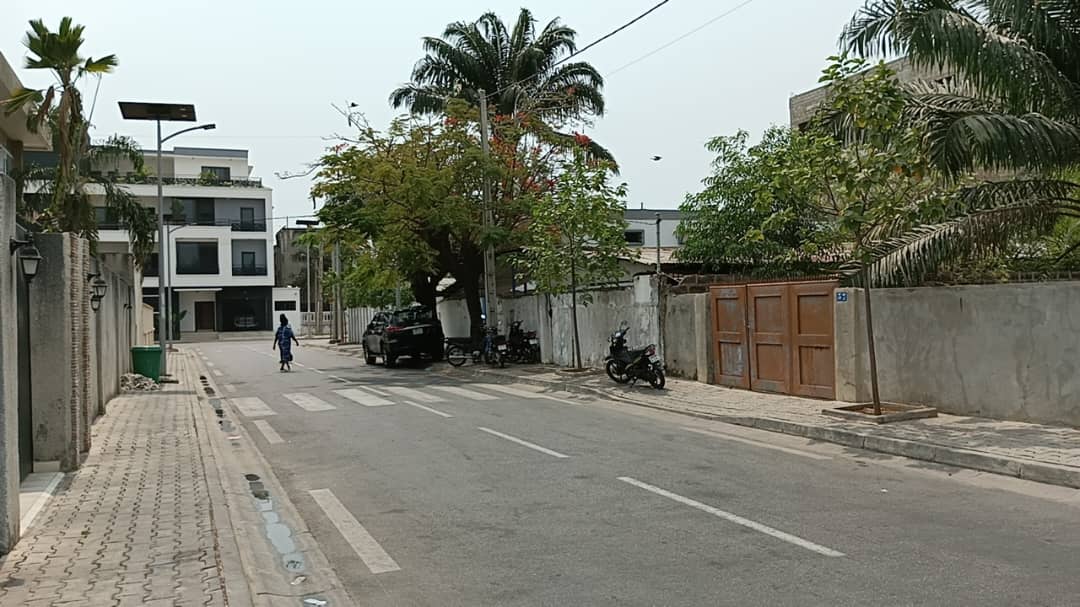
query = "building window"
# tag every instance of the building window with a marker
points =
(215, 173)
(284, 306)
(196, 258)
(204, 212)
(634, 238)
(150, 268)
(7, 161)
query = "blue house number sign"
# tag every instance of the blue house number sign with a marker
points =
(841, 296)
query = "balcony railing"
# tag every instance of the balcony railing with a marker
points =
(236, 225)
(192, 180)
(249, 270)
(202, 268)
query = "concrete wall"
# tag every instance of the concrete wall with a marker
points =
(551, 317)
(687, 335)
(1001, 351)
(287, 297)
(9, 373)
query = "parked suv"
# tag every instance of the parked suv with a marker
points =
(412, 332)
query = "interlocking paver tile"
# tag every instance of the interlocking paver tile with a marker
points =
(133, 525)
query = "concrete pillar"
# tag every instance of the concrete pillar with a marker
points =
(9, 374)
(55, 368)
(706, 366)
(849, 351)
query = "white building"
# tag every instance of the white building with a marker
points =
(641, 227)
(220, 244)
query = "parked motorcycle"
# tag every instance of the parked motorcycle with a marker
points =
(491, 349)
(524, 345)
(624, 365)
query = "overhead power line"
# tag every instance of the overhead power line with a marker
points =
(681, 37)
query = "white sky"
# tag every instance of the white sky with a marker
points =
(266, 71)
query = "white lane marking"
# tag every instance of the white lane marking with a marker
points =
(300, 364)
(218, 372)
(307, 402)
(269, 433)
(208, 363)
(369, 550)
(336, 378)
(230, 388)
(462, 392)
(734, 518)
(428, 409)
(755, 443)
(252, 406)
(364, 398)
(415, 394)
(524, 443)
(509, 390)
(319, 371)
(373, 390)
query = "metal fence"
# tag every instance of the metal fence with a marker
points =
(356, 321)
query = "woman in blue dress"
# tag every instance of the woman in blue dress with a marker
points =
(283, 341)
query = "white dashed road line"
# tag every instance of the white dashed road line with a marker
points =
(268, 433)
(319, 371)
(364, 398)
(217, 372)
(229, 388)
(208, 363)
(511, 391)
(524, 443)
(252, 406)
(749, 441)
(308, 402)
(415, 394)
(369, 550)
(734, 518)
(465, 393)
(428, 409)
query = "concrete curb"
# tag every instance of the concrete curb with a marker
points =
(1041, 472)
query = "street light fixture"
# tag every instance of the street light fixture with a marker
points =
(29, 257)
(162, 112)
(100, 287)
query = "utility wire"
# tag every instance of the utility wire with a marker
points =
(682, 37)
(587, 46)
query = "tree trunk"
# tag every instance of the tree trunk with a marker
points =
(470, 283)
(573, 310)
(870, 342)
(423, 287)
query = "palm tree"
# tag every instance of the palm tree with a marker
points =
(60, 107)
(519, 71)
(1012, 111)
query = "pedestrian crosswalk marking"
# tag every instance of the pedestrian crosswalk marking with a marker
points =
(268, 432)
(308, 402)
(252, 406)
(364, 398)
(415, 394)
(511, 391)
(470, 394)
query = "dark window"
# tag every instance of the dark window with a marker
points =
(216, 173)
(196, 258)
(412, 316)
(204, 211)
(247, 259)
(284, 305)
(150, 268)
(634, 237)
(247, 215)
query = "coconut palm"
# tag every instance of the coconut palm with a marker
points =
(60, 107)
(522, 70)
(1012, 111)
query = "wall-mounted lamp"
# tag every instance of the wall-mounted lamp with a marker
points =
(29, 257)
(98, 289)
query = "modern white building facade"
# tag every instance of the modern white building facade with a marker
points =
(219, 244)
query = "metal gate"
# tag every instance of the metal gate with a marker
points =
(775, 337)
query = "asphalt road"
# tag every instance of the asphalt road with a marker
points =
(427, 490)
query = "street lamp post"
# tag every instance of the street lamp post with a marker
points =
(308, 224)
(162, 112)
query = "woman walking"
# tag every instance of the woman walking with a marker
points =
(283, 341)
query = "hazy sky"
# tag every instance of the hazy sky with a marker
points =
(266, 71)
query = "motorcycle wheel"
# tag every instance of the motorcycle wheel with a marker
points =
(500, 360)
(656, 380)
(456, 355)
(617, 374)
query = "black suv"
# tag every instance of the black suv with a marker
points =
(410, 332)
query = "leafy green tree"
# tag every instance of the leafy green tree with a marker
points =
(1009, 109)
(522, 72)
(576, 235)
(60, 106)
(740, 220)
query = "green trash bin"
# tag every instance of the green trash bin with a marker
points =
(146, 361)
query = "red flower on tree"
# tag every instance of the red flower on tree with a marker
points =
(582, 139)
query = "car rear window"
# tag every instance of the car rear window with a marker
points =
(414, 316)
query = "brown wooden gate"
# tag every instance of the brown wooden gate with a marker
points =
(775, 337)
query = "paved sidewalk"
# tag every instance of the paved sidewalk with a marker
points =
(1047, 454)
(135, 525)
